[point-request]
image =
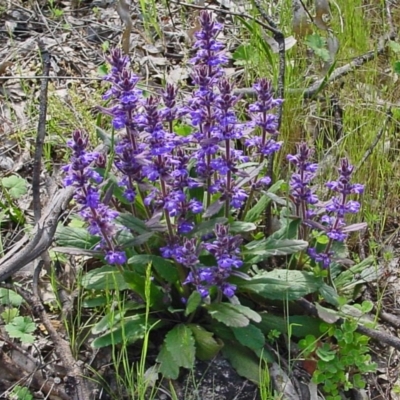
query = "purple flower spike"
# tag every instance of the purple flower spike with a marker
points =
(334, 222)
(209, 49)
(99, 217)
(300, 181)
(226, 250)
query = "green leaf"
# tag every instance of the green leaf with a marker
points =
(248, 312)
(250, 336)
(102, 70)
(21, 328)
(180, 343)
(254, 32)
(289, 226)
(243, 53)
(317, 43)
(183, 130)
(21, 393)
(193, 302)
(325, 353)
(323, 54)
(16, 186)
(240, 227)
(94, 302)
(206, 346)
(130, 329)
(107, 322)
(329, 294)
(168, 367)
(394, 46)
(281, 284)
(165, 268)
(9, 297)
(9, 314)
(326, 314)
(132, 223)
(265, 248)
(227, 314)
(254, 214)
(136, 241)
(243, 360)
(299, 325)
(232, 315)
(367, 306)
(213, 209)
(207, 226)
(104, 278)
(396, 67)
(68, 236)
(138, 284)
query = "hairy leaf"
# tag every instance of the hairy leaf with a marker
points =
(299, 325)
(262, 249)
(206, 346)
(281, 284)
(180, 343)
(21, 328)
(243, 360)
(193, 302)
(16, 186)
(240, 226)
(168, 366)
(250, 336)
(104, 278)
(9, 297)
(130, 329)
(165, 268)
(228, 314)
(75, 237)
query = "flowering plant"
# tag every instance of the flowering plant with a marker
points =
(177, 208)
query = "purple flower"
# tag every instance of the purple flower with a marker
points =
(226, 251)
(98, 216)
(325, 258)
(115, 257)
(209, 50)
(334, 222)
(125, 98)
(300, 182)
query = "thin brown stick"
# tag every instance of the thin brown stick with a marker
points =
(280, 39)
(76, 387)
(378, 336)
(41, 133)
(29, 248)
(377, 139)
(227, 12)
(35, 379)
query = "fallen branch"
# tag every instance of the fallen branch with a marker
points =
(36, 380)
(33, 245)
(337, 73)
(378, 336)
(41, 133)
(75, 385)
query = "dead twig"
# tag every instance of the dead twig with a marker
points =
(337, 74)
(36, 380)
(76, 388)
(41, 133)
(378, 137)
(279, 37)
(378, 336)
(32, 246)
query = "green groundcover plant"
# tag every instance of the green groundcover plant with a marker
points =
(184, 191)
